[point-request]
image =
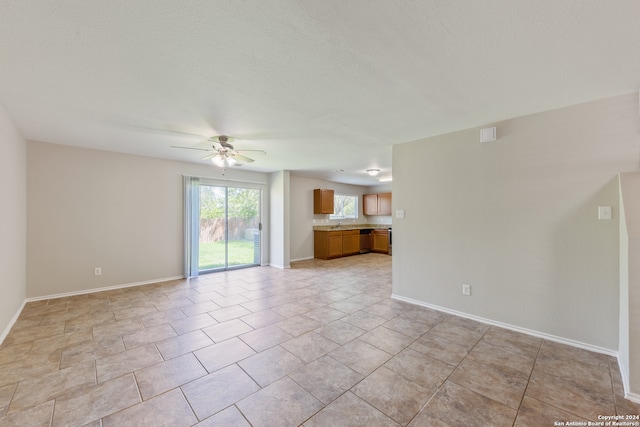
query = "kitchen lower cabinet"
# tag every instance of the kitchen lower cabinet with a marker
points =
(380, 241)
(350, 242)
(334, 244)
(327, 244)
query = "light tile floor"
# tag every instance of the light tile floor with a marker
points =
(320, 344)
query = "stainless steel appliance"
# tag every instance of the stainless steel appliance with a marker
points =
(390, 240)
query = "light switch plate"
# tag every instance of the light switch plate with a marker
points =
(604, 212)
(488, 134)
(400, 213)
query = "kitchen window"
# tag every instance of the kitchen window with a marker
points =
(344, 207)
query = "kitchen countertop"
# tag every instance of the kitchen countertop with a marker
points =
(336, 227)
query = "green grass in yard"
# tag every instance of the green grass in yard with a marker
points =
(212, 254)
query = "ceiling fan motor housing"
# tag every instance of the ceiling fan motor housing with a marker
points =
(223, 140)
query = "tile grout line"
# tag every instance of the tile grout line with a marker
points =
(450, 373)
(566, 380)
(528, 381)
(613, 390)
(184, 396)
(306, 364)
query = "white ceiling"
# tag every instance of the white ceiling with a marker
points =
(320, 85)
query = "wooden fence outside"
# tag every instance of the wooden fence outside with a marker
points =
(212, 230)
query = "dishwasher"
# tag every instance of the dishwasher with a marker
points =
(365, 240)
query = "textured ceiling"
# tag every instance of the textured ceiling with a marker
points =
(320, 85)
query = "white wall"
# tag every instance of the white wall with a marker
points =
(517, 219)
(279, 245)
(13, 221)
(123, 213)
(303, 218)
(623, 322)
(630, 283)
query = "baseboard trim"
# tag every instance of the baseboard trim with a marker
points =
(301, 259)
(281, 267)
(12, 322)
(526, 331)
(635, 398)
(103, 289)
(625, 376)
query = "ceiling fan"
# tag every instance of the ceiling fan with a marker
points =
(222, 152)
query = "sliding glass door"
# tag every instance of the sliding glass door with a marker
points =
(243, 227)
(212, 233)
(223, 226)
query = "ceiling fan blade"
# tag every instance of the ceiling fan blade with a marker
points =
(256, 151)
(208, 156)
(165, 129)
(193, 148)
(241, 158)
(172, 131)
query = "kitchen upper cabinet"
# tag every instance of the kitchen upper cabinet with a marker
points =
(377, 204)
(380, 241)
(322, 201)
(384, 204)
(370, 204)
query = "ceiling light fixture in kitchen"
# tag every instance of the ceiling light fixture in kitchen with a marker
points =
(373, 172)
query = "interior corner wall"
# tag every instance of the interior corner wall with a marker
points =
(629, 355)
(120, 212)
(279, 230)
(13, 221)
(623, 324)
(516, 219)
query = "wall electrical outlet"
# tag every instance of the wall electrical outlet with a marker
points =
(466, 289)
(97, 271)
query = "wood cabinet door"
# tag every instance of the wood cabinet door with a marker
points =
(322, 201)
(327, 201)
(384, 204)
(355, 241)
(346, 243)
(380, 241)
(335, 244)
(370, 204)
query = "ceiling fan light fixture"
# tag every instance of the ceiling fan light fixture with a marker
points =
(231, 161)
(218, 160)
(373, 172)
